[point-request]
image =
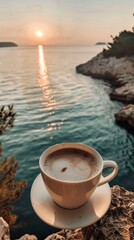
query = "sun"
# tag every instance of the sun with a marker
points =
(39, 33)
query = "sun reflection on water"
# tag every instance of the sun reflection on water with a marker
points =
(44, 81)
(50, 104)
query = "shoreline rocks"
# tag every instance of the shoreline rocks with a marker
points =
(117, 223)
(126, 114)
(4, 230)
(124, 90)
(105, 67)
(120, 73)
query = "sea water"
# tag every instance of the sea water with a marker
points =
(54, 104)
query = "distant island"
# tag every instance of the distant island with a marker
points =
(100, 43)
(8, 44)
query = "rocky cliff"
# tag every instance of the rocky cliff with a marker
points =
(120, 73)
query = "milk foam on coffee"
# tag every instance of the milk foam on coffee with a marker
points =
(70, 165)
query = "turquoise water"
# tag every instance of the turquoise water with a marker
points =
(54, 104)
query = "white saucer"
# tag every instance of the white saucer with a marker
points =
(58, 217)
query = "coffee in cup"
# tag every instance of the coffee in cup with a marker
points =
(72, 171)
(70, 165)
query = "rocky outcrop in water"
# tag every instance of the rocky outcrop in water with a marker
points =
(124, 90)
(116, 224)
(126, 114)
(118, 71)
(107, 68)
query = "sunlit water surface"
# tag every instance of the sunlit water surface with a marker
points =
(54, 104)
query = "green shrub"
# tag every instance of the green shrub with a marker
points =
(122, 45)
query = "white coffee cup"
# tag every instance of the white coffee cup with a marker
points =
(72, 171)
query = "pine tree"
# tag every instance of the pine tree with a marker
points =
(10, 190)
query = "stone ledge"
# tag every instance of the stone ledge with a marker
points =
(116, 224)
(4, 230)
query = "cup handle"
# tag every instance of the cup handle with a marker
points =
(106, 164)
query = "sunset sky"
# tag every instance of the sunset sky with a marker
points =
(64, 22)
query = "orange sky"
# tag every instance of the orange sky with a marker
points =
(64, 22)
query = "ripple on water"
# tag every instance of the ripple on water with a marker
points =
(55, 105)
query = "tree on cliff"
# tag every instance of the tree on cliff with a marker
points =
(122, 45)
(10, 190)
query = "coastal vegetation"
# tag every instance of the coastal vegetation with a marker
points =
(10, 189)
(7, 117)
(122, 45)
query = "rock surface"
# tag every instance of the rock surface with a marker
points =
(28, 237)
(119, 72)
(126, 114)
(66, 234)
(4, 230)
(101, 67)
(124, 90)
(117, 224)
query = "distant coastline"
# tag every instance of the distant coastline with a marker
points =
(101, 43)
(8, 44)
